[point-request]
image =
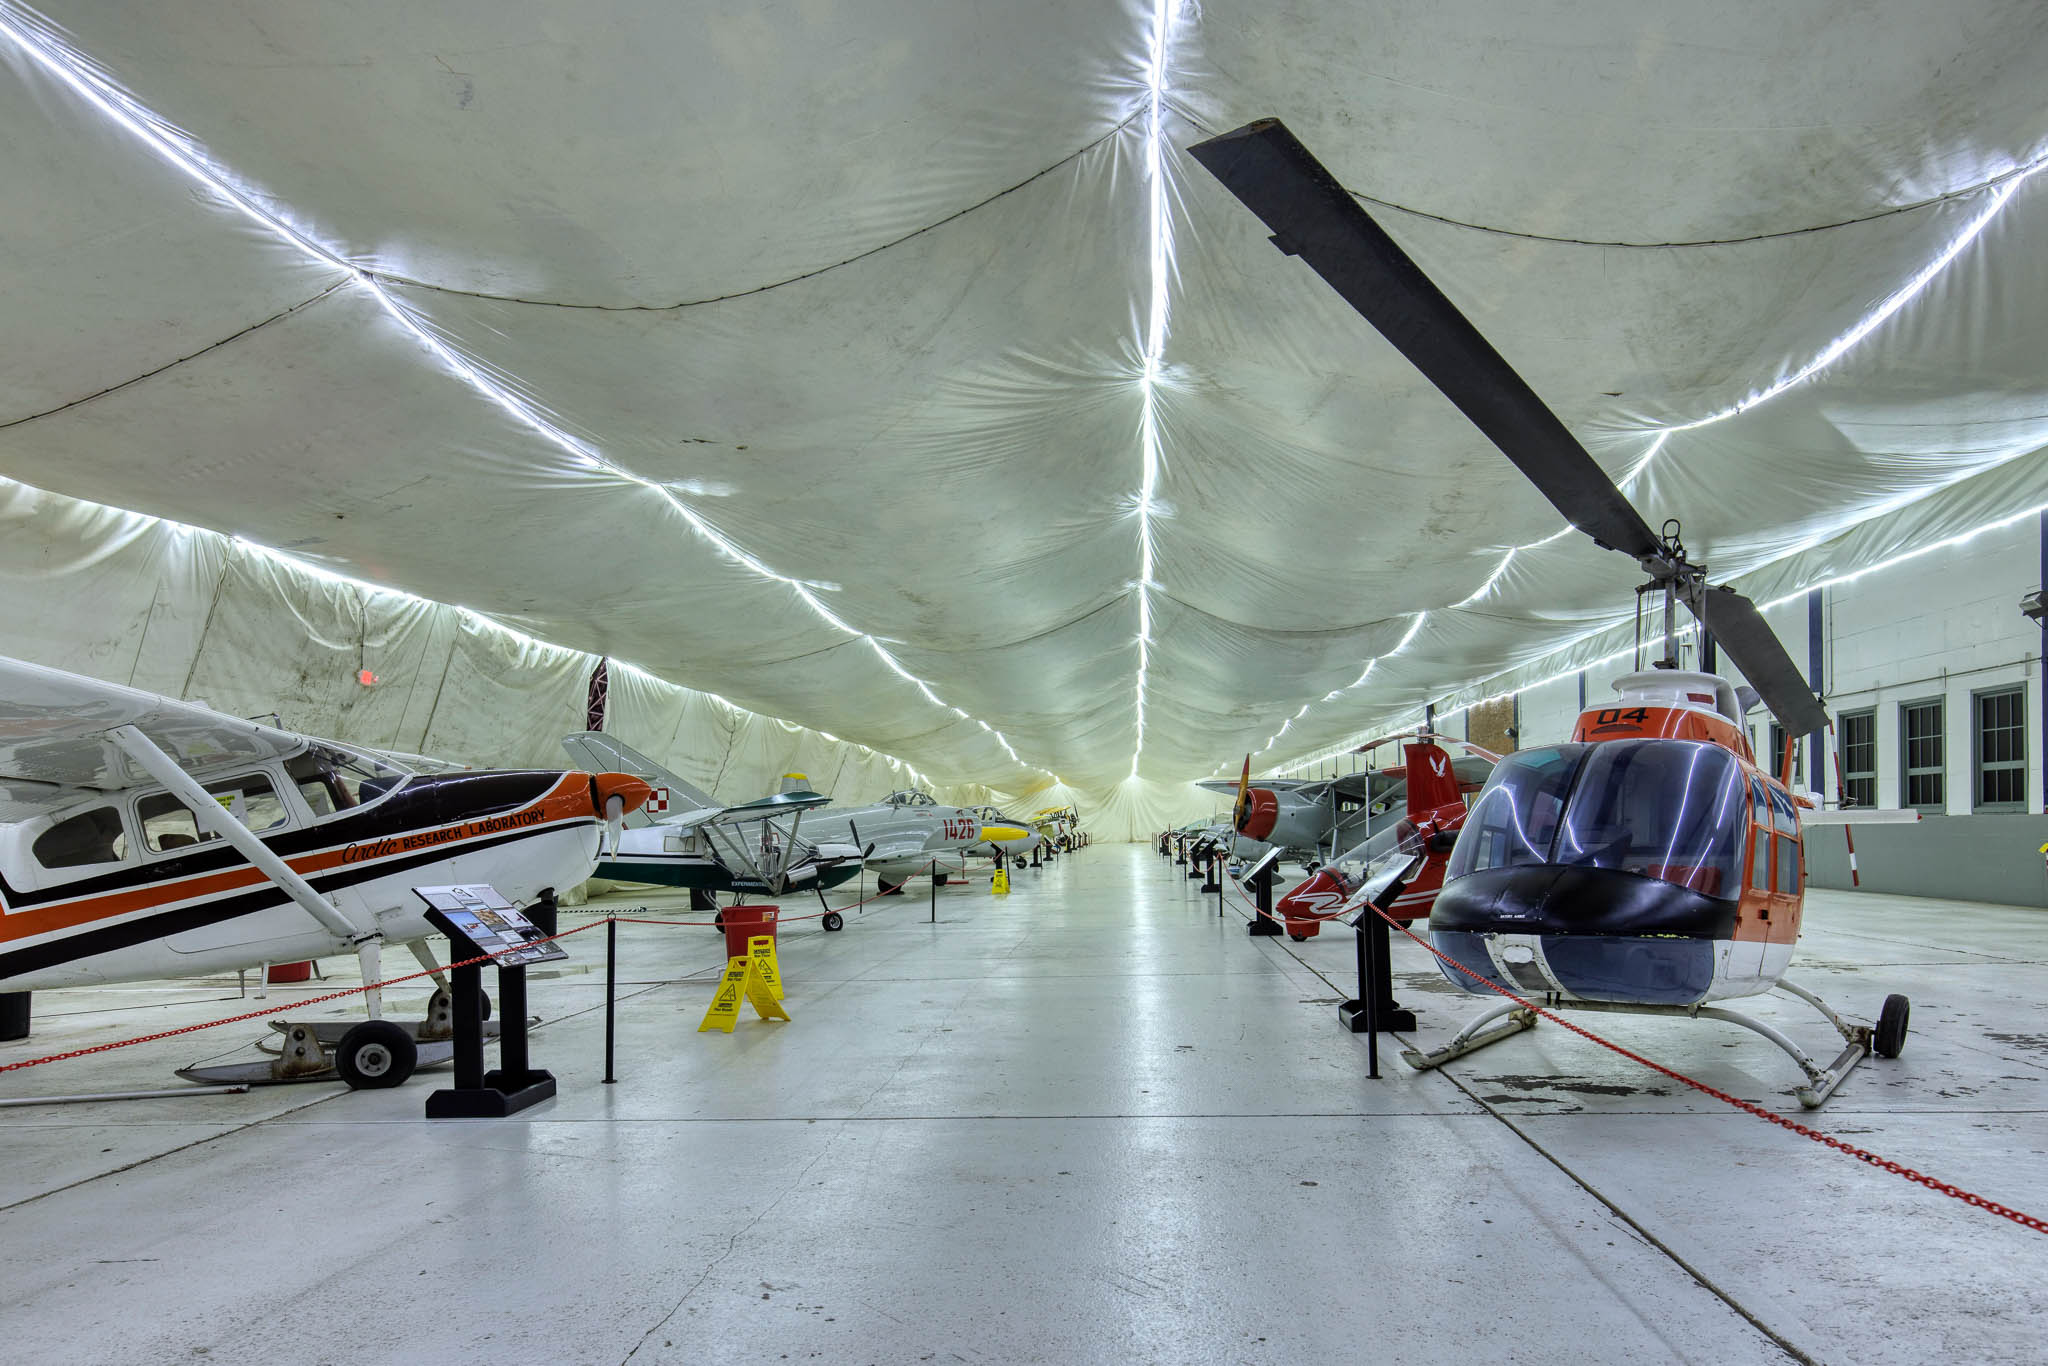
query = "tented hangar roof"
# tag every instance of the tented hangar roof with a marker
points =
(887, 367)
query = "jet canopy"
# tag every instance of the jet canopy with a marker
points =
(1675, 810)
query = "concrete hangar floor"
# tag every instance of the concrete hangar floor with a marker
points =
(1091, 1121)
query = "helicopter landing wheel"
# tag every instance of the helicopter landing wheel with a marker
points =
(1299, 938)
(1888, 1040)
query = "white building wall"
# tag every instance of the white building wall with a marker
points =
(1946, 624)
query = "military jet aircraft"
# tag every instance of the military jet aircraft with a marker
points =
(908, 833)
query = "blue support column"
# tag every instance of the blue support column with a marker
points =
(1816, 743)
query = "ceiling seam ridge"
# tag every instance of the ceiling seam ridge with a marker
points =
(1877, 215)
(299, 565)
(173, 363)
(72, 68)
(412, 283)
(1159, 256)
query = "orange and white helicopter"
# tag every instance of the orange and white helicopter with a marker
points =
(1650, 864)
(143, 837)
(1436, 788)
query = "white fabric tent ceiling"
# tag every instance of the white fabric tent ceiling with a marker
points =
(867, 289)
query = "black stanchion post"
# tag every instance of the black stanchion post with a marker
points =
(1368, 991)
(934, 871)
(611, 985)
(1264, 923)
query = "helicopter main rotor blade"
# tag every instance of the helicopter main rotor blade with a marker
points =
(1315, 218)
(1753, 647)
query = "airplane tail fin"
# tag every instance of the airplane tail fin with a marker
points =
(795, 782)
(1432, 782)
(600, 753)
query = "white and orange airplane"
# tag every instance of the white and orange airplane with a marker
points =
(143, 837)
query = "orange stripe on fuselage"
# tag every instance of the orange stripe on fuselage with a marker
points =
(566, 799)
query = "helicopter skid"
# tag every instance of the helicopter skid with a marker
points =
(1474, 1036)
(1821, 1081)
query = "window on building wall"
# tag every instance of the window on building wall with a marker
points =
(2001, 731)
(1859, 758)
(1922, 743)
(1775, 760)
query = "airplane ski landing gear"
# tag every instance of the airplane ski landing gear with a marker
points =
(376, 1054)
(1861, 1040)
(367, 1054)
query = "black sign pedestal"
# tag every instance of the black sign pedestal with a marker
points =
(515, 1084)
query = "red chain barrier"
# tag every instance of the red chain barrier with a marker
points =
(1829, 1140)
(369, 986)
(288, 1005)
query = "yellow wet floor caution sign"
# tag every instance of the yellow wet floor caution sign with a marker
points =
(999, 885)
(742, 980)
(761, 949)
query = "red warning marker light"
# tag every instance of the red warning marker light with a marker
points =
(366, 678)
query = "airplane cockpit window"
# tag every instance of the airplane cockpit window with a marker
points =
(910, 797)
(168, 823)
(333, 780)
(94, 836)
(1675, 810)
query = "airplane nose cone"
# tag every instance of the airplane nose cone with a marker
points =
(629, 790)
(1261, 813)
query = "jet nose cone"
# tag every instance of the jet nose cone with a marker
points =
(1261, 812)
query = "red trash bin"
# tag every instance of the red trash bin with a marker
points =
(746, 922)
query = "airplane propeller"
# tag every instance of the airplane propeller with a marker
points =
(1315, 218)
(1241, 808)
(615, 820)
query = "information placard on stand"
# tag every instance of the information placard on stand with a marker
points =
(478, 921)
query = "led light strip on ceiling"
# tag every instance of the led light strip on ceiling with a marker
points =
(1161, 254)
(2000, 195)
(37, 39)
(1687, 630)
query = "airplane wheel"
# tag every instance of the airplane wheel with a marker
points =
(1299, 938)
(485, 998)
(883, 887)
(1021, 861)
(834, 921)
(939, 879)
(1888, 1040)
(718, 921)
(376, 1054)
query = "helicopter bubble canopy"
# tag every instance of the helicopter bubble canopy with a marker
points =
(1674, 810)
